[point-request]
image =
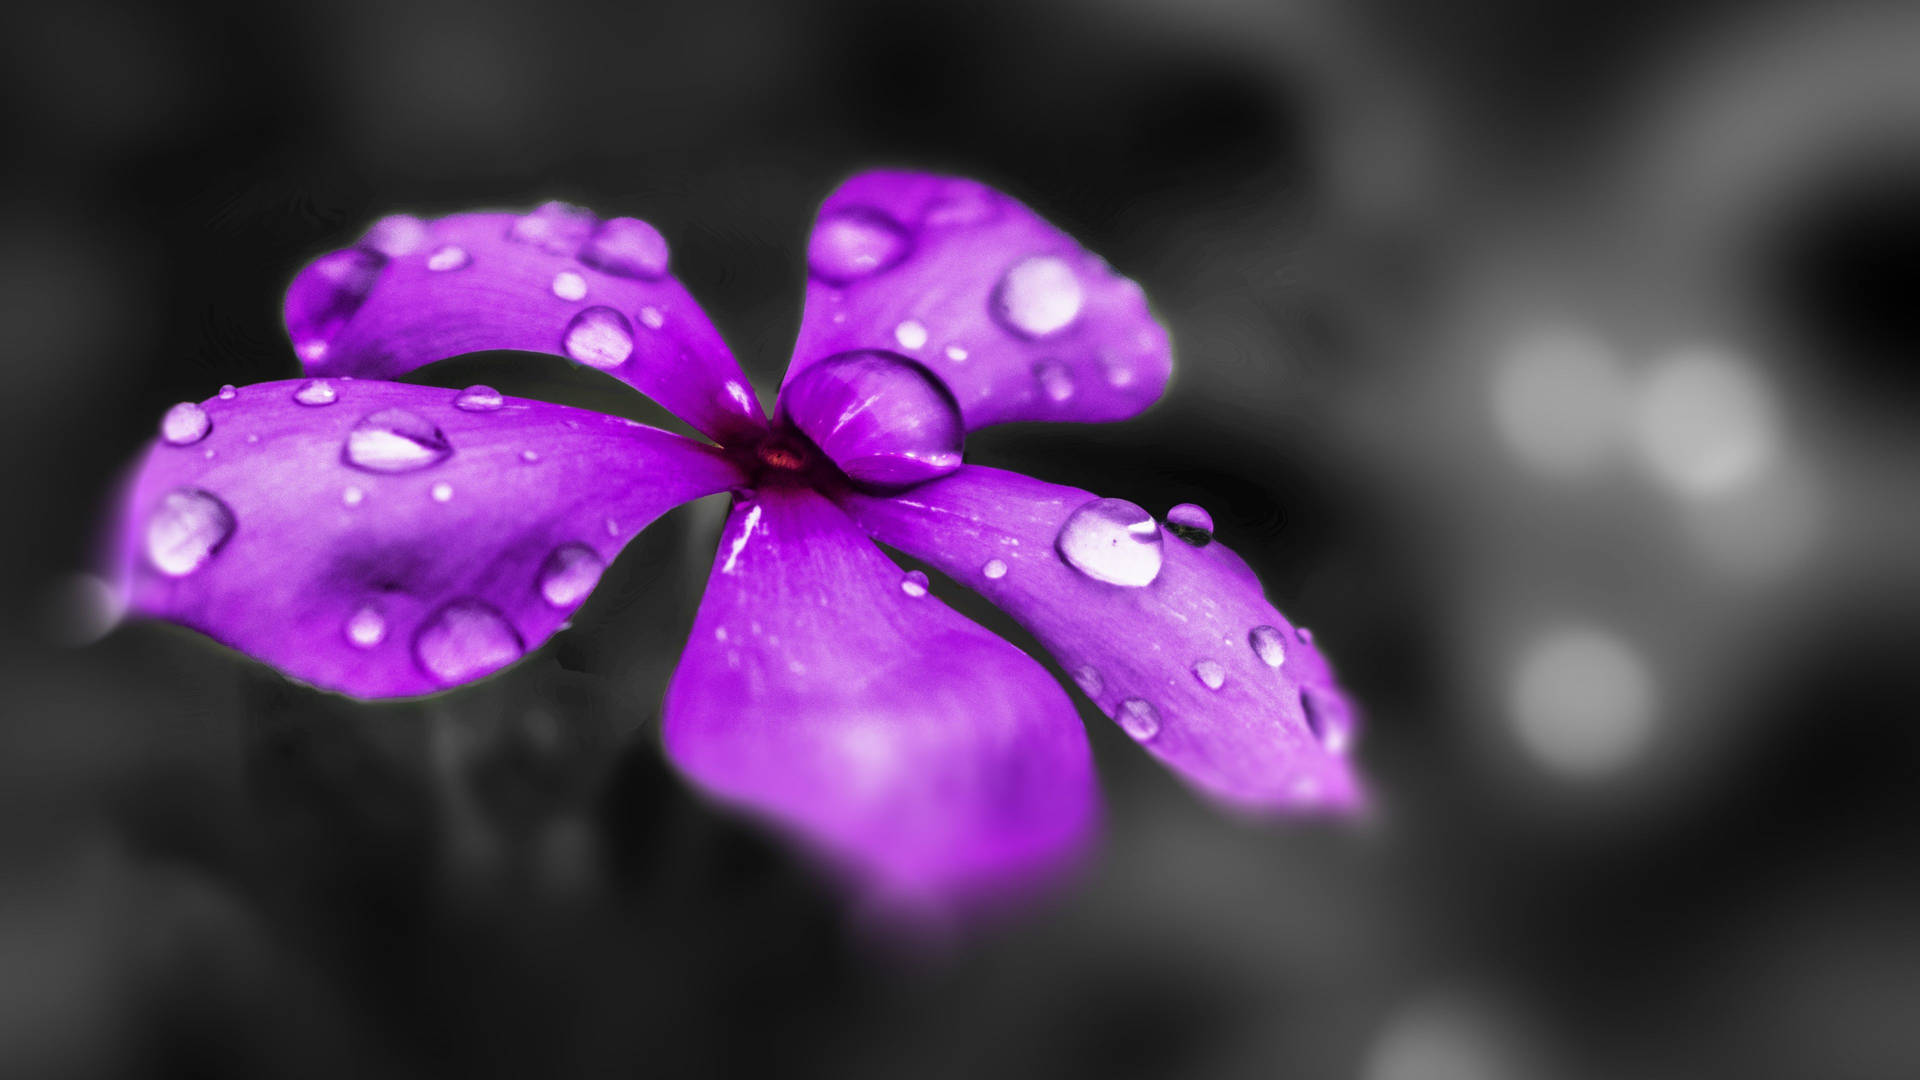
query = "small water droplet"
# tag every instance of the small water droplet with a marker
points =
(569, 574)
(1266, 645)
(1191, 523)
(185, 424)
(187, 528)
(910, 334)
(396, 235)
(465, 640)
(325, 297)
(252, 438)
(1305, 635)
(599, 337)
(627, 247)
(554, 227)
(316, 392)
(652, 318)
(208, 454)
(1211, 673)
(1329, 718)
(228, 393)
(1138, 718)
(449, 257)
(529, 456)
(613, 527)
(1114, 541)
(995, 569)
(856, 242)
(956, 354)
(1087, 678)
(568, 285)
(394, 441)
(366, 627)
(442, 492)
(1055, 380)
(478, 398)
(353, 496)
(1038, 296)
(914, 584)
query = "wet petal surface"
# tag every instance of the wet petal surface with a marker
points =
(927, 758)
(390, 541)
(1017, 319)
(556, 280)
(1190, 659)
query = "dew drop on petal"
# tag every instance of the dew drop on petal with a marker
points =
(324, 298)
(316, 392)
(995, 569)
(652, 317)
(1114, 541)
(599, 337)
(911, 334)
(627, 247)
(396, 235)
(1266, 645)
(353, 496)
(856, 242)
(1329, 718)
(1138, 718)
(914, 584)
(442, 492)
(529, 456)
(1087, 678)
(464, 640)
(394, 441)
(185, 424)
(1055, 380)
(1211, 673)
(1191, 523)
(1038, 296)
(189, 527)
(228, 393)
(366, 627)
(478, 398)
(554, 227)
(568, 285)
(956, 354)
(449, 257)
(569, 574)
(1305, 635)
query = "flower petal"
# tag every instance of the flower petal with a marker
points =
(821, 687)
(1018, 320)
(556, 280)
(381, 540)
(1171, 638)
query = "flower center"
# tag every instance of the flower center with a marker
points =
(884, 419)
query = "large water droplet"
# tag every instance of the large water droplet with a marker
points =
(326, 295)
(1138, 718)
(395, 440)
(569, 574)
(1112, 540)
(449, 257)
(465, 640)
(316, 392)
(1267, 645)
(478, 398)
(554, 227)
(1329, 718)
(1087, 678)
(995, 569)
(1191, 523)
(185, 424)
(914, 584)
(1211, 673)
(599, 337)
(366, 627)
(884, 419)
(627, 247)
(855, 242)
(396, 235)
(1038, 296)
(188, 527)
(568, 285)
(1055, 380)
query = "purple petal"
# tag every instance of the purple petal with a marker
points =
(391, 540)
(931, 760)
(556, 280)
(1171, 638)
(1017, 319)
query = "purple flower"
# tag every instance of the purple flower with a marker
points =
(382, 539)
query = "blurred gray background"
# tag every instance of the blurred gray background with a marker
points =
(1555, 363)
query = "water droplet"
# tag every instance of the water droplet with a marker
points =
(652, 318)
(1211, 673)
(228, 393)
(324, 298)
(995, 569)
(1087, 678)
(1112, 540)
(478, 398)
(208, 454)
(442, 492)
(613, 527)
(316, 392)
(568, 285)
(353, 496)
(1138, 718)
(956, 354)
(189, 527)
(1191, 523)
(465, 640)
(396, 235)
(252, 438)
(449, 257)
(965, 203)
(1329, 718)
(185, 424)
(910, 334)
(1305, 635)
(529, 456)
(569, 574)
(1266, 645)
(627, 247)
(554, 227)
(599, 337)
(1055, 380)
(395, 440)
(1039, 296)
(366, 627)
(914, 584)
(856, 242)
